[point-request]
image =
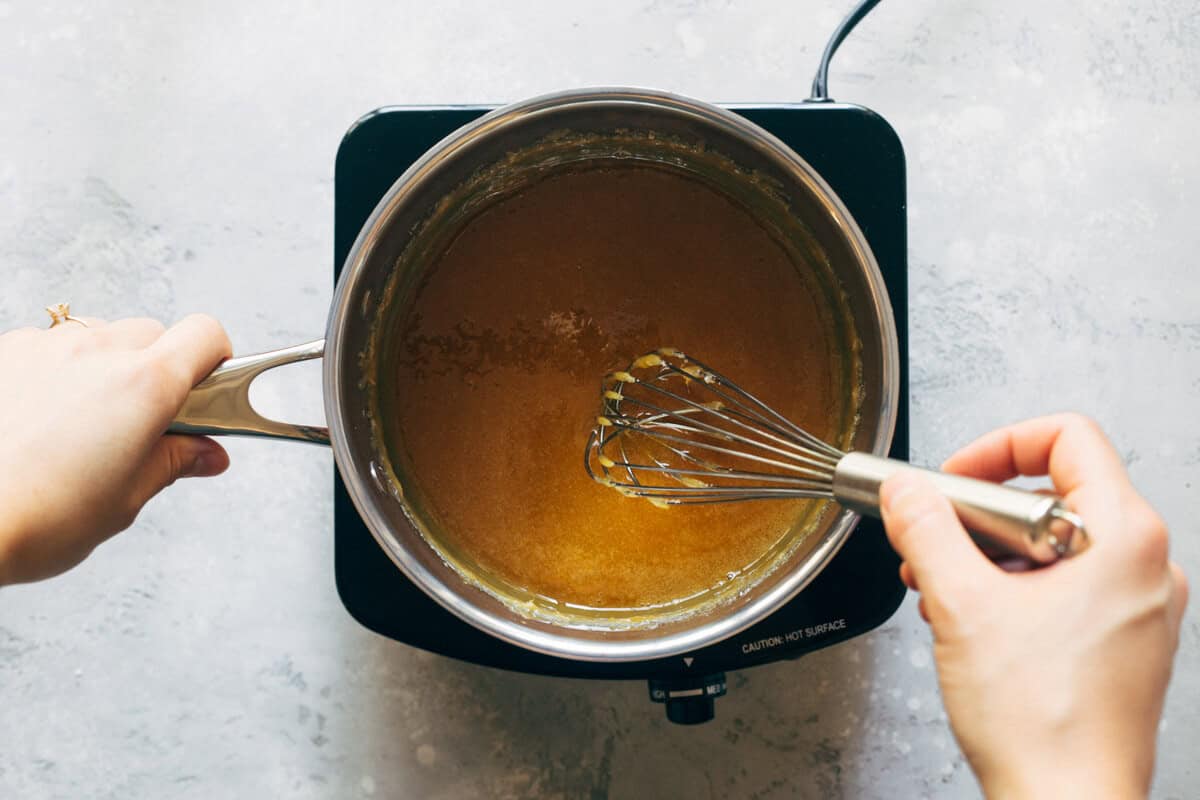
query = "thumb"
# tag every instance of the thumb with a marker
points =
(923, 528)
(177, 456)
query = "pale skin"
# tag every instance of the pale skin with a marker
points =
(84, 410)
(1053, 679)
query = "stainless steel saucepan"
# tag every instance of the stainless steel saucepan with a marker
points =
(459, 174)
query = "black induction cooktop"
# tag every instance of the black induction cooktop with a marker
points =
(861, 158)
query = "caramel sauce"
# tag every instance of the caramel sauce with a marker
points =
(493, 382)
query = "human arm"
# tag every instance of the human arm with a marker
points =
(1053, 679)
(82, 417)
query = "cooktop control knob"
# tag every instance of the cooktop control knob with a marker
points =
(689, 698)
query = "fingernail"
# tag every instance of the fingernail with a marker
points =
(207, 462)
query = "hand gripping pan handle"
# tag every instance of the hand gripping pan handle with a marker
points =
(220, 404)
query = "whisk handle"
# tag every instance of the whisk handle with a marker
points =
(1039, 527)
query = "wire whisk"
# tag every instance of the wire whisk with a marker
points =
(675, 431)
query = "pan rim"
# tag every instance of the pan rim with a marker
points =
(545, 637)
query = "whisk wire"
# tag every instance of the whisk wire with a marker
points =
(794, 429)
(759, 411)
(713, 381)
(706, 446)
(658, 435)
(695, 425)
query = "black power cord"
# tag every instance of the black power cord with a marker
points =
(820, 86)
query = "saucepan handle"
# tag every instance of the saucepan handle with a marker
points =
(1039, 527)
(220, 404)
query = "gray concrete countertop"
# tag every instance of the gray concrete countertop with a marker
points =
(157, 159)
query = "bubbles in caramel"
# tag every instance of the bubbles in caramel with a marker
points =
(491, 381)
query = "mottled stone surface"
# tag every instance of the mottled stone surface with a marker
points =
(163, 158)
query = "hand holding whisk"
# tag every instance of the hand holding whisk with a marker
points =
(675, 431)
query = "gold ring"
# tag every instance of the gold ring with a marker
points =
(60, 313)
